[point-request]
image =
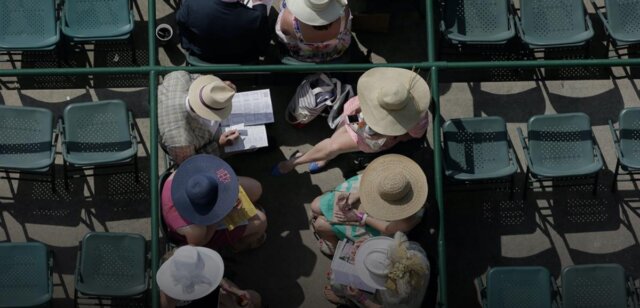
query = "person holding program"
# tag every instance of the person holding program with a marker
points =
(388, 197)
(396, 268)
(391, 107)
(190, 109)
(205, 204)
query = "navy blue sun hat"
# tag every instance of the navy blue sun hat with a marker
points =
(205, 189)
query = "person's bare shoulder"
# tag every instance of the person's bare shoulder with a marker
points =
(195, 234)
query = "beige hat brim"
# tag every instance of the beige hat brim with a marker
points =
(308, 16)
(379, 208)
(392, 122)
(197, 105)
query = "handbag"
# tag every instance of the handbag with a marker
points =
(315, 93)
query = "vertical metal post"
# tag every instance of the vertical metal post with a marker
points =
(153, 175)
(153, 161)
(437, 167)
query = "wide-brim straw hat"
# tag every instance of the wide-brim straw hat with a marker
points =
(191, 273)
(210, 97)
(317, 12)
(204, 189)
(392, 100)
(393, 187)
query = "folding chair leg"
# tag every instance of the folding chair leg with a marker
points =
(135, 166)
(526, 184)
(66, 174)
(614, 185)
(595, 183)
(132, 42)
(11, 60)
(53, 178)
(512, 185)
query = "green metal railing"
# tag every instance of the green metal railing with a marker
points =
(153, 70)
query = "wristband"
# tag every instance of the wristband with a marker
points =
(363, 219)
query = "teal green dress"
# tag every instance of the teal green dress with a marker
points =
(327, 201)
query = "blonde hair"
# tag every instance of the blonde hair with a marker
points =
(408, 268)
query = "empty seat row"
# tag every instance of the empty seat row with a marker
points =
(556, 146)
(92, 134)
(109, 265)
(591, 285)
(35, 25)
(540, 24)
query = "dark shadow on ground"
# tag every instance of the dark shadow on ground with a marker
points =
(65, 57)
(121, 196)
(175, 54)
(36, 202)
(591, 105)
(627, 257)
(516, 107)
(56, 107)
(137, 99)
(407, 31)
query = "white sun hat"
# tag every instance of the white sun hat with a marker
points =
(191, 273)
(317, 12)
(372, 261)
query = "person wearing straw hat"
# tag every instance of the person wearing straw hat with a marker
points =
(314, 30)
(204, 203)
(391, 107)
(190, 109)
(397, 268)
(388, 197)
(193, 277)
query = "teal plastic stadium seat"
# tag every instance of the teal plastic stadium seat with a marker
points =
(26, 139)
(626, 139)
(112, 265)
(90, 20)
(28, 25)
(629, 142)
(26, 275)
(477, 149)
(98, 133)
(594, 286)
(622, 20)
(553, 23)
(561, 145)
(478, 21)
(522, 287)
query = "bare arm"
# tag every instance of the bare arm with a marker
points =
(166, 301)
(391, 227)
(385, 227)
(197, 235)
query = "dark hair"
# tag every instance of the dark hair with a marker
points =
(323, 27)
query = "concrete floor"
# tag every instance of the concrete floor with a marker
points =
(483, 229)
